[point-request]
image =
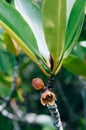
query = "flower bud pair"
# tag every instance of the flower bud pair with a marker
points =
(47, 97)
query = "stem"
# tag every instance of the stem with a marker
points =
(53, 109)
(51, 83)
(55, 116)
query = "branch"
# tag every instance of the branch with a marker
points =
(53, 109)
(55, 116)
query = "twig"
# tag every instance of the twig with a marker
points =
(48, 99)
(53, 109)
(51, 83)
(55, 116)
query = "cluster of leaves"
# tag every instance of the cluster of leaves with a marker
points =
(46, 38)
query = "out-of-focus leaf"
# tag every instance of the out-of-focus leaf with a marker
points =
(19, 30)
(5, 65)
(5, 80)
(4, 91)
(9, 44)
(24, 65)
(75, 65)
(75, 21)
(32, 15)
(54, 23)
(80, 52)
(20, 92)
(47, 128)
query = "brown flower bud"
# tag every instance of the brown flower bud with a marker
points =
(48, 98)
(37, 83)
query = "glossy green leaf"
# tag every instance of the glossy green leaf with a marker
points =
(32, 15)
(54, 23)
(75, 65)
(16, 26)
(75, 38)
(74, 22)
(19, 30)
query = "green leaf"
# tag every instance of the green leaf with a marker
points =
(54, 23)
(16, 26)
(75, 21)
(1, 33)
(5, 65)
(9, 44)
(26, 62)
(80, 52)
(75, 65)
(19, 30)
(38, 3)
(4, 91)
(32, 15)
(1, 39)
(70, 4)
(75, 38)
(4, 80)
